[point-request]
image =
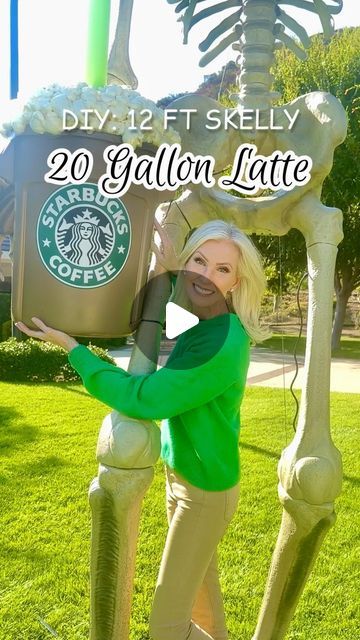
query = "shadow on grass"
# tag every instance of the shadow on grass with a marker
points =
(72, 387)
(14, 435)
(269, 454)
(44, 466)
(352, 480)
(58, 386)
(33, 556)
(276, 456)
(81, 391)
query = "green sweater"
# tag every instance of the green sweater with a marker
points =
(196, 394)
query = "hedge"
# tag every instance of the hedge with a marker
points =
(35, 361)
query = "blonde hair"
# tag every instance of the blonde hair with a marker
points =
(246, 297)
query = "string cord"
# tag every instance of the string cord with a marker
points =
(222, 80)
(182, 213)
(282, 335)
(295, 348)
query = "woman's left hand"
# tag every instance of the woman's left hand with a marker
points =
(48, 334)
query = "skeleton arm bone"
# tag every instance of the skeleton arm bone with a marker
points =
(120, 70)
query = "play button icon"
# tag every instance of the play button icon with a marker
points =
(178, 320)
(181, 325)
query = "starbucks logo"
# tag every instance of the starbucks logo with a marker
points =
(83, 238)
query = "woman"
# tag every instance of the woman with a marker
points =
(197, 395)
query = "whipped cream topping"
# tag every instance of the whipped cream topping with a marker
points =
(43, 113)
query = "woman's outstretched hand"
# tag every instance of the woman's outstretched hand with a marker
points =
(48, 334)
(165, 253)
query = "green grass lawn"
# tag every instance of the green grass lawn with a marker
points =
(48, 438)
(350, 347)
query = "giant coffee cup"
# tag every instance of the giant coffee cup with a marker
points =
(80, 258)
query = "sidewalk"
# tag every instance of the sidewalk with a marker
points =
(272, 369)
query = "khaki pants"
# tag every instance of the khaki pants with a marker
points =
(188, 604)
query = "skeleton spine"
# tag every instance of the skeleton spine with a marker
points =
(257, 46)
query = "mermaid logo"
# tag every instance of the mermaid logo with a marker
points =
(83, 238)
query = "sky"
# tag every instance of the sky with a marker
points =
(53, 36)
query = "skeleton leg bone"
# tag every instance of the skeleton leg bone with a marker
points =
(127, 450)
(310, 467)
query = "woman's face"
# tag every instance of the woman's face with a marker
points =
(85, 230)
(210, 272)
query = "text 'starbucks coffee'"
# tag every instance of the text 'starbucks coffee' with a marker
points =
(80, 258)
(83, 238)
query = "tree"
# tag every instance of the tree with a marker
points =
(217, 84)
(165, 101)
(284, 261)
(334, 67)
(213, 85)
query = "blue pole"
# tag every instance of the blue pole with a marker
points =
(14, 49)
